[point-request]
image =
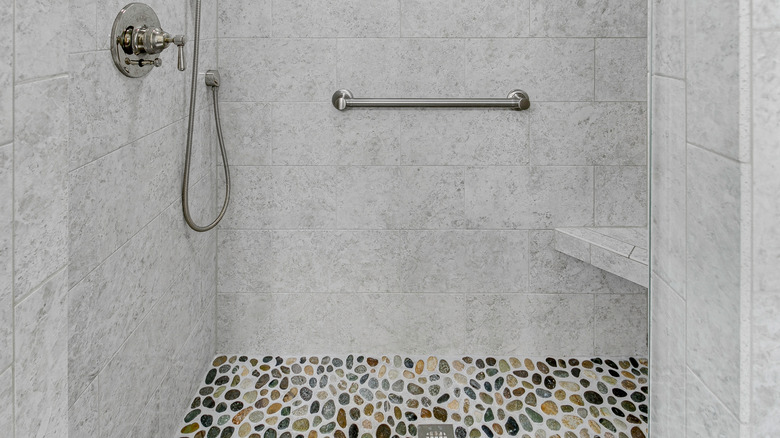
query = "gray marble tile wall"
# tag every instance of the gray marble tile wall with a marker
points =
(424, 230)
(714, 218)
(141, 285)
(33, 220)
(765, 372)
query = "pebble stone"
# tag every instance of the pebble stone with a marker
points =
(360, 396)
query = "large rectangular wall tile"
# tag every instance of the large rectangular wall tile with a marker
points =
(668, 182)
(39, 26)
(282, 197)
(554, 272)
(620, 325)
(40, 182)
(106, 194)
(464, 261)
(766, 156)
(162, 414)
(621, 69)
(705, 414)
(6, 256)
(281, 70)
(766, 14)
(430, 67)
(530, 325)
(765, 363)
(588, 133)
(548, 69)
(457, 19)
(621, 196)
(342, 18)
(110, 302)
(712, 73)
(84, 415)
(529, 197)
(588, 18)
(40, 360)
(401, 197)
(364, 261)
(667, 348)
(138, 367)
(317, 134)
(272, 261)
(6, 73)
(246, 127)
(7, 402)
(713, 271)
(464, 137)
(83, 22)
(668, 38)
(96, 130)
(244, 18)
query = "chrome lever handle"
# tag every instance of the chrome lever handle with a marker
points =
(180, 41)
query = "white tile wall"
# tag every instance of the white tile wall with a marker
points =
(419, 209)
(140, 280)
(714, 218)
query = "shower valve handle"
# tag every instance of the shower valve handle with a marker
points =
(180, 40)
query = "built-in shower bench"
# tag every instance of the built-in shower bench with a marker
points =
(620, 251)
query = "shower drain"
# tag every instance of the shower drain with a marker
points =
(435, 431)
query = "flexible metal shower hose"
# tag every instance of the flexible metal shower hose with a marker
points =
(190, 127)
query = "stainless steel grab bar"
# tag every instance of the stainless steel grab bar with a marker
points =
(517, 100)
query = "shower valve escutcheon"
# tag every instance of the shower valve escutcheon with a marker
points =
(137, 40)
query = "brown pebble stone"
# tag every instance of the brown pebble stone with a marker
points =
(372, 362)
(274, 408)
(419, 367)
(529, 364)
(201, 434)
(577, 399)
(637, 433)
(383, 431)
(549, 408)
(498, 429)
(440, 414)
(339, 434)
(290, 395)
(313, 434)
(242, 414)
(379, 417)
(587, 364)
(219, 361)
(397, 412)
(190, 428)
(369, 409)
(424, 413)
(367, 424)
(560, 394)
(341, 418)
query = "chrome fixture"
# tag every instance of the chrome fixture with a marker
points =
(516, 100)
(212, 81)
(137, 39)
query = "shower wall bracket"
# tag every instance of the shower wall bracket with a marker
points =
(137, 39)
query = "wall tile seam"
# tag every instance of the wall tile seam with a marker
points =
(703, 384)
(726, 157)
(449, 38)
(171, 371)
(61, 75)
(707, 387)
(667, 76)
(127, 242)
(449, 294)
(657, 277)
(407, 111)
(39, 286)
(143, 320)
(130, 143)
(466, 167)
(402, 230)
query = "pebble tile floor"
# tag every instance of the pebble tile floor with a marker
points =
(382, 396)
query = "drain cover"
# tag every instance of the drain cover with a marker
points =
(435, 431)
